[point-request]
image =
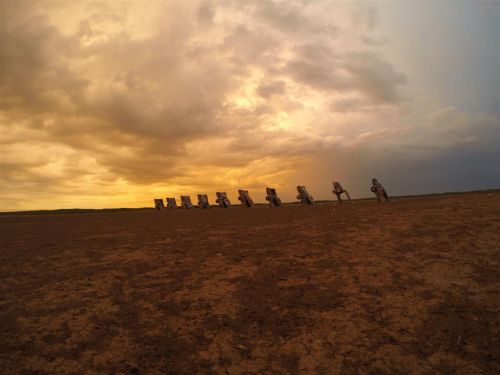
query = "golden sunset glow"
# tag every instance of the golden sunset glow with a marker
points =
(110, 104)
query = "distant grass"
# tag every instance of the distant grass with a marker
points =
(446, 193)
(73, 211)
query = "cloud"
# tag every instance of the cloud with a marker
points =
(268, 89)
(206, 13)
(182, 96)
(319, 66)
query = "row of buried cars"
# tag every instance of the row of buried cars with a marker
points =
(272, 197)
(223, 201)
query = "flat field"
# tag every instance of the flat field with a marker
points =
(406, 287)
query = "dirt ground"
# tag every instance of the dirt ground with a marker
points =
(406, 287)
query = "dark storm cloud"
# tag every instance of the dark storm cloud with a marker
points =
(352, 104)
(373, 76)
(289, 18)
(206, 13)
(268, 89)
(321, 67)
(32, 60)
(246, 46)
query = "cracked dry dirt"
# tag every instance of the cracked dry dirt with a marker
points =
(408, 287)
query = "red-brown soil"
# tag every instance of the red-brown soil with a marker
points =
(406, 287)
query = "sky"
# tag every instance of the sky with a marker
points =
(111, 104)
